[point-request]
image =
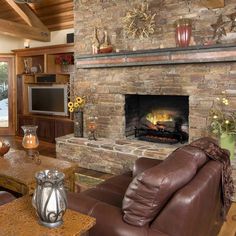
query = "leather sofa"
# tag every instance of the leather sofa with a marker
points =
(5, 197)
(180, 196)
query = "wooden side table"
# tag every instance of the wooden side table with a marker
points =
(26, 224)
(17, 171)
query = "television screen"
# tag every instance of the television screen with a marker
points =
(48, 99)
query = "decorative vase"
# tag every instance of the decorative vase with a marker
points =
(49, 197)
(227, 141)
(78, 124)
(183, 32)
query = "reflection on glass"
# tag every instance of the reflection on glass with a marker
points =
(4, 94)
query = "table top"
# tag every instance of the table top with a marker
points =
(19, 218)
(18, 166)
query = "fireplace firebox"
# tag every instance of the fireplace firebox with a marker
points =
(157, 118)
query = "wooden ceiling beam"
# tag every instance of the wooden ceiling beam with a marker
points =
(23, 31)
(19, 11)
(213, 3)
(50, 3)
(35, 30)
(34, 20)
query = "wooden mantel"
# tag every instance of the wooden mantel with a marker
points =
(194, 54)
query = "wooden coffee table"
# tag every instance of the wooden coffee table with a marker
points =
(17, 171)
(18, 218)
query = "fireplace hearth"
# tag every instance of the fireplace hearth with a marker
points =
(157, 118)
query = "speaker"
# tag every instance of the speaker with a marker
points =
(70, 38)
(46, 79)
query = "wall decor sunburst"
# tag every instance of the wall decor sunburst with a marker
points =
(139, 22)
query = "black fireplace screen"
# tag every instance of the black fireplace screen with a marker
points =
(157, 118)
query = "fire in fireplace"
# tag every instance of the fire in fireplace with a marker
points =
(157, 118)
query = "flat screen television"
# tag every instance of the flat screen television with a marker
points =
(49, 100)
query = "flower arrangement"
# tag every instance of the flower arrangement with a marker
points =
(77, 104)
(222, 120)
(64, 59)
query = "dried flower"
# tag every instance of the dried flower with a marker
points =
(64, 59)
(77, 104)
(221, 119)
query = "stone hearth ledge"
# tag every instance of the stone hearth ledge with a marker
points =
(107, 155)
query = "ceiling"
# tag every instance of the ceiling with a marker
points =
(37, 20)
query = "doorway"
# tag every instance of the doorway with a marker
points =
(7, 124)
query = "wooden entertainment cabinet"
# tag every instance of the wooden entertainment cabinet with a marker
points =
(36, 66)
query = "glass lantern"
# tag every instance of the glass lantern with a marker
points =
(30, 140)
(92, 127)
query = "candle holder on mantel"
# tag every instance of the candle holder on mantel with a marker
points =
(30, 142)
(92, 127)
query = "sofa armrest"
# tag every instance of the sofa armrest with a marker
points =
(109, 221)
(109, 218)
(198, 203)
(143, 163)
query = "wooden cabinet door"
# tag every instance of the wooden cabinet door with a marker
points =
(45, 129)
(63, 127)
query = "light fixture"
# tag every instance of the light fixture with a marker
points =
(27, 1)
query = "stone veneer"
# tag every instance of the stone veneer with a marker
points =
(109, 155)
(114, 156)
(106, 88)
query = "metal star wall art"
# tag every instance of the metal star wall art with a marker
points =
(232, 17)
(219, 29)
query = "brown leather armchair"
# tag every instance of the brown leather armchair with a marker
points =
(180, 196)
(5, 197)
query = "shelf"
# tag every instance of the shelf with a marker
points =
(49, 126)
(194, 54)
(42, 59)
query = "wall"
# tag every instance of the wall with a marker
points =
(106, 88)
(8, 43)
(108, 14)
(57, 37)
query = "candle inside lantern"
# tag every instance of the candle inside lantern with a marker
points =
(92, 126)
(30, 141)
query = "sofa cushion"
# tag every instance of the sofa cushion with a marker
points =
(117, 184)
(150, 190)
(104, 196)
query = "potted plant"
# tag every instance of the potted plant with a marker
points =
(223, 123)
(64, 60)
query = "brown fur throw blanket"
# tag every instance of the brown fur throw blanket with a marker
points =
(214, 152)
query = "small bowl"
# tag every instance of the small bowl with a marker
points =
(5, 147)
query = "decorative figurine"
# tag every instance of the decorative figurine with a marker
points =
(96, 43)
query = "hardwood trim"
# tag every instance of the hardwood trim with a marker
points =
(10, 130)
(59, 48)
(196, 54)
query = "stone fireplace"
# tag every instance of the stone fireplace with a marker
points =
(157, 118)
(109, 81)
